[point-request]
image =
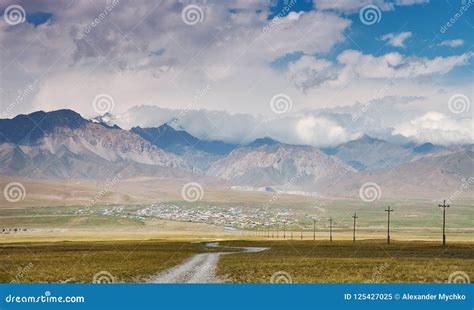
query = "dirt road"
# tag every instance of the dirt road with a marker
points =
(201, 268)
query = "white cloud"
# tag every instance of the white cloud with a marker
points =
(394, 65)
(352, 6)
(396, 39)
(452, 43)
(229, 50)
(383, 115)
(353, 68)
(410, 2)
(308, 72)
(230, 53)
(295, 128)
(437, 128)
(320, 131)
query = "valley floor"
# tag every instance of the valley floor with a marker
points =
(282, 261)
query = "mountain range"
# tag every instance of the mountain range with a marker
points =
(63, 145)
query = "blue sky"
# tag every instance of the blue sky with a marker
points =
(424, 21)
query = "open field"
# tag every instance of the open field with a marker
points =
(345, 262)
(78, 262)
(140, 190)
(411, 220)
(145, 190)
(140, 229)
(300, 261)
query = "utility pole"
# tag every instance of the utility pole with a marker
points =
(284, 230)
(301, 233)
(388, 223)
(330, 229)
(314, 229)
(354, 231)
(291, 235)
(277, 232)
(444, 206)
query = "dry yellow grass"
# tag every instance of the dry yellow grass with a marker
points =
(78, 262)
(345, 262)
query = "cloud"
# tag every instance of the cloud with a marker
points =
(83, 52)
(308, 72)
(352, 6)
(354, 67)
(394, 65)
(410, 2)
(396, 39)
(320, 131)
(296, 128)
(452, 43)
(219, 70)
(384, 115)
(437, 128)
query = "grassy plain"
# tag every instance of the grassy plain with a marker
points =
(78, 262)
(301, 261)
(411, 220)
(56, 243)
(368, 261)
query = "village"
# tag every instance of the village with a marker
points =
(240, 217)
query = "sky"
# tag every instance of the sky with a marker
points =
(314, 72)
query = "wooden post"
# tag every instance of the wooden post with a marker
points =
(388, 223)
(314, 229)
(330, 229)
(354, 231)
(444, 206)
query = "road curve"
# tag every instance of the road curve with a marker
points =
(200, 268)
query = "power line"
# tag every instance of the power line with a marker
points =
(330, 229)
(314, 229)
(444, 206)
(388, 223)
(354, 230)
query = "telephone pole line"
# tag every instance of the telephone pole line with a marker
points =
(330, 229)
(444, 206)
(354, 230)
(388, 223)
(314, 229)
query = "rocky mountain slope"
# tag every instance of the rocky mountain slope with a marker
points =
(277, 164)
(438, 175)
(195, 152)
(63, 144)
(368, 153)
